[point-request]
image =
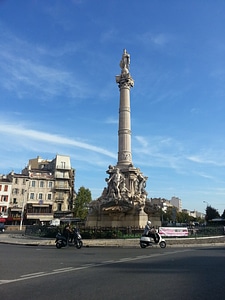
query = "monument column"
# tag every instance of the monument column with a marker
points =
(123, 201)
(125, 82)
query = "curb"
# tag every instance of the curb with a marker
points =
(171, 242)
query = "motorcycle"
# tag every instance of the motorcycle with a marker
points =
(152, 239)
(74, 239)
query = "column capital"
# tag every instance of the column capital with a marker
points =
(125, 81)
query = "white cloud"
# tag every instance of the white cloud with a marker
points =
(111, 120)
(28, 69)
(18, 132)
(205, 159)
(160, 39)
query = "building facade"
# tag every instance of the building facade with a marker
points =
(177, 202)
(5, 192)
(43, 191)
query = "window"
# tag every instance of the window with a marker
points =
(40, 196)
(61, 196)
(50, 184)
(14, 201)
(4, 199)
(32, 196)
(0, 187)
(61, 184)
(42, 184)
(6, 188)
(59, 206)
(16, 180)
(49, 196)
(16, 191)
(33, 183)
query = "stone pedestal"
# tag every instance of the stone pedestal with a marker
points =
(118, 220)
(122, 202)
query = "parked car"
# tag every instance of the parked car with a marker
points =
(2, 227)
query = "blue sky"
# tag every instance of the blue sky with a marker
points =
(58, 62)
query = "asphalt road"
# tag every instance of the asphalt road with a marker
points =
(31, 272)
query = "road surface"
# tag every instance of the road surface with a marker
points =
(44, 272)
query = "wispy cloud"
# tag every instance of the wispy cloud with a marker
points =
(157, 39)
(204, 175)
(21, 132)
(215, 159)
(142, 140)
(111, 120)
(167, 152)
(159, 151)
(26, 69)
(109, 35)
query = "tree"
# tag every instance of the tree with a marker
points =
(223, 215)
(183, 217)
(211, 213)
(170, 214)
(81, 202)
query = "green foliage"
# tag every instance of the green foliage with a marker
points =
(110, 233)
(81, 202)
(167, 216)
(223, 214)
(211, 213)
(172, 214)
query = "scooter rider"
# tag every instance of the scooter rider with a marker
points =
(67, 232)
(147, 228)
(149, 231)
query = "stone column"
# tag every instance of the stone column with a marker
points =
(125, 82)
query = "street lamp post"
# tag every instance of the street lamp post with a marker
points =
(206, 203)
(23, 206)
(22, 211)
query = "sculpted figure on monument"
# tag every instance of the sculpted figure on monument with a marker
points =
(125, 63)
(142, 183)
(114, 182)
(124, 191)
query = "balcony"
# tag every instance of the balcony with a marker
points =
(63, 167)
(62, 175)
(59, 199)
(62, 186)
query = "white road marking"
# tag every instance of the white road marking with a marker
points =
(87, 266)
(62, 269)
(32, 274)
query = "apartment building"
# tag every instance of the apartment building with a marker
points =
(5, 192)
(177, 202)
(161, 203)
(17, 196)
(51, 188)
(44, 190)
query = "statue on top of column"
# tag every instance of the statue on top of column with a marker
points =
(125, 63)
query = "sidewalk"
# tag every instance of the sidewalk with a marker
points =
(21, 239)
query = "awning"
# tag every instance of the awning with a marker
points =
(2, 220)
(39, 217)
(42, 219)
(16, 209)
(40, 205)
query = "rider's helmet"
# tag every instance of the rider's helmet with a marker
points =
(149, 223)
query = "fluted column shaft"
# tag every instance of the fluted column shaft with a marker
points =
(124, 132)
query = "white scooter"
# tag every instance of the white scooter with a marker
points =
(152, 239)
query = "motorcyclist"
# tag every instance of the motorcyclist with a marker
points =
(147, 228)
(150, 231)
(67, 232)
